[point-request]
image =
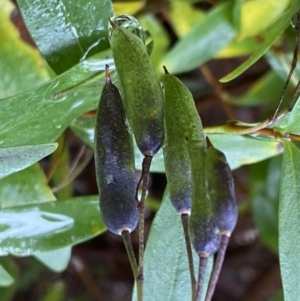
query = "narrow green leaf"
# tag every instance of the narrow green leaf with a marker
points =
(277, 29)
(52, 107)
(207, 38)
(26, 230)
(166, 271)
(5, 278)
(236, 13)
(25, 187)
(14, 159)
(18, 60)
(67, 31)
(56, 260)
(264, 192)
(289, 222)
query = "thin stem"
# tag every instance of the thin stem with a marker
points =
(293, 66)
(130, 253)
(141, 206)
(185, 224)
(76, 171)
(224, 239)
(201, 276)
(210, 78)
(56, 157)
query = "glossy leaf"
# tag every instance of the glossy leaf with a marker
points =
(273, 34)
(26, 230)
(210, 35)
(52, 107)
(289, 221)
(21, 66)
(56, 260)
(166, 265)
(242, 150)
(25, 187)
(257, 15)
(264, 192)
(66, 31)
(14, 159)
(5, 278)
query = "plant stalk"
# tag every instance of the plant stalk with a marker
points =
(185, 224)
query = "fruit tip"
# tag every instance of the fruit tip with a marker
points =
(166, 70)
(107, 74)
(208, 142)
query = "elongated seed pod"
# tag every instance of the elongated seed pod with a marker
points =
(221, 192)
(141, 89)
(114, 159)
(203, 229)
(221, 189)
(181, 121)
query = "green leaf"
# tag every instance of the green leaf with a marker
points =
(264, 192)
(209, 36)
(277, 29)
(67, 31)
(243, 150)
(25, 187)
(183, 17)
(52, 107)
(26, 230)
(5, 278)
(236, 13)
(289, 222)
(14, 159)
(166, 266)
(7, 291)
(281, 64)
(238, 48)
(56, 260)
(293, 125)
(18, 60)
(257, 15)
